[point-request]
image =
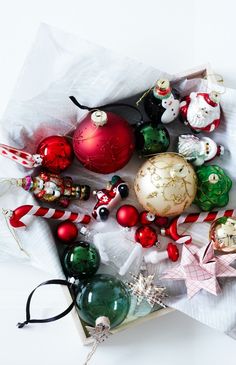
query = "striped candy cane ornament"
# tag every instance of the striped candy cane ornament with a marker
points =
(172, 230)
(15, 216)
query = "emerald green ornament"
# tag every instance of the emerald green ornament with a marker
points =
(213, 187)
(103, 295)
(151, 139)
(81, 260)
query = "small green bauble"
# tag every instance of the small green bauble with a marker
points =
(103, 295)
(213, 187)
(81, 260)
(151, 139)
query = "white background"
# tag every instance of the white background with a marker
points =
(172, 36)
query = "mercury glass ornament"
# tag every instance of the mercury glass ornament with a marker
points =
(103, 295)
(223, 234)
(151, 139)
(81, 260)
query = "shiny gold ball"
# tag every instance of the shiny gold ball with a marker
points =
(166, 184)
(223, 234)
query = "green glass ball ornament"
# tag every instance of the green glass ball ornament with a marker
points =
(213, 187)
(103, 295)
(151, 139)
(81, 260)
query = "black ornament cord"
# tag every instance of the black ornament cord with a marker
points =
(70, 287)
(112, 105)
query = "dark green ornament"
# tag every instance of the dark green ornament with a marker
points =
(103, 295)
(151, 139)
(213, 187)
(81, 260)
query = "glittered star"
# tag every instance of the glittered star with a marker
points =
(200, 269)
(144, 289)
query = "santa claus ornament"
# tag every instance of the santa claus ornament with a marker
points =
(161, 104)
(103, 141)
(198, 150)
(54, 153)
(201, 111)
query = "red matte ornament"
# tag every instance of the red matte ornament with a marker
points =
(103, 142)
(146, 236)
(67, 231)
(146, 218)
(161, 221)
(127, 215)
(173, 252)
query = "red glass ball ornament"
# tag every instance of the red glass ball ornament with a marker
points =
(146, 236)
(161, 221)
(146, 218)
(127, 215)
(103, 142)
(173, 251)
(56, 152)
(67, 231)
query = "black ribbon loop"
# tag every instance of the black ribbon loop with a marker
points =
(112, 105)
(58, 316)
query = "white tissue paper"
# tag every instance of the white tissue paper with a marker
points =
(60, 65)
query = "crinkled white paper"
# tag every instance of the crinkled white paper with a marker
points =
(60, 65)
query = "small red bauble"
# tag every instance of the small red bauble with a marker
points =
(146, 236)
(173, 251)
(56, 152)
(127, 215)
(67, 231)
(103, 142)
(161, 221)
(146, 218)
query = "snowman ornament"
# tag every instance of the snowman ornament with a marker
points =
(198, 150)
(201, 111)
(160, 103)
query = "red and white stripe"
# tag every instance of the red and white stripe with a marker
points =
(172, 230)
(19, 213)
(21, 157)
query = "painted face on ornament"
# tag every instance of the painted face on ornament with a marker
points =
(201, 114)
(172, 109)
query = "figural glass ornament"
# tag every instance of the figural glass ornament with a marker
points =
(160, 103)
(54, 153)
(116, 190)
(213, 187)
(151, 139)
(223, 234)
(166, 184)
(198, 150)
(80, 260)
(103, 295)
(53, 188)
(103, 141)
(201, 111)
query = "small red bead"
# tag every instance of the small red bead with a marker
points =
(67, 231)
(173, 251)
(146, 236)
(127, 215)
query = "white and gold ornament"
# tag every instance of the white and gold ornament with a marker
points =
(166, 184)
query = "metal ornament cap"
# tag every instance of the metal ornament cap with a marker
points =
(99, 118)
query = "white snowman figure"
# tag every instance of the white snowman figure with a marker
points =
(172, 109)
(198, 150)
